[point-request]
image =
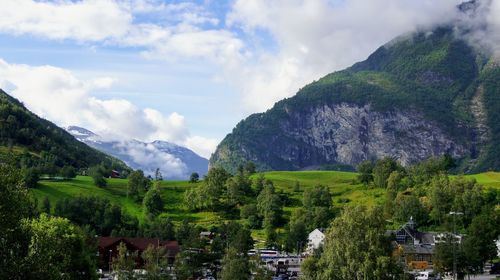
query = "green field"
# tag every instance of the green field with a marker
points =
(342, 185)
(490, 180)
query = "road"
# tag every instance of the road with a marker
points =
(482, 277)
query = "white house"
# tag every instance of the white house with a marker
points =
(315, 239)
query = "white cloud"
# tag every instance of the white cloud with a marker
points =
(91, 20)
(204, 146)
(177, 36)
(147, 155)
(316, 37)
(56, 94)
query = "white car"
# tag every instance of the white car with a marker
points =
(425, 275)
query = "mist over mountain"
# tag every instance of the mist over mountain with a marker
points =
(175, 162)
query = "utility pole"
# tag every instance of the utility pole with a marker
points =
(454, 214)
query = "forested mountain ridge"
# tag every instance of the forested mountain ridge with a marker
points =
(41, 144)
(425, 94)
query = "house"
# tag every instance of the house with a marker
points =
(108, 248)
(114, 174)
(315, 240)
(415, 248)
(207, 235)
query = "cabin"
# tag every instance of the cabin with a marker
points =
(114, 174)
(108, 249)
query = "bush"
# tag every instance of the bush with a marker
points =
(31, 178)
(97, 175)
(68, 172)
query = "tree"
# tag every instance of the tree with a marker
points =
(258, 271)
(161, 228)
(318, 196)
(365, 172)
(137, 183)
(310, 269)
(14, 207)
(235, 266)
(441, 198)
(250, 213)
(269, 205)
(258, 183)
(124, 263)
(155, 258)
(45, 205)
(211, 193)
(58, 250)
(235, 192)
(187, 265)
(297, 237)
(356, 247)
(445, 253)
(271, 236)
(296, 186)
(158, 176)
(97, 174)
(153, 203)
(68, 172)
(31, 178)
(187, 235)
(234, 235)
(194, 177)
(479, 245)
(409, 206)
(382, 170)
(250, 168)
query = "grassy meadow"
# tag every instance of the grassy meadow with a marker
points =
(343, 186)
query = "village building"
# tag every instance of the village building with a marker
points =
(415, 248)
(315, 240)
(108, 249)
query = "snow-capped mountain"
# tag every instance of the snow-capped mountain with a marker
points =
(175, 162)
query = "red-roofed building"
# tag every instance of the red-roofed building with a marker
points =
(108, 248)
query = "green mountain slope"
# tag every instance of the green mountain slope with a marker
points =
(40, 143)
(421, 95)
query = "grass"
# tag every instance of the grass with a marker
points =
(116, 192)
(490, 180)
(343, 186)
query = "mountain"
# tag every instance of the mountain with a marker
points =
(175, 162)
(39, 143)
(423, 94)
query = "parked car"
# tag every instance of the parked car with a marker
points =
(495, 268)
(425, 275)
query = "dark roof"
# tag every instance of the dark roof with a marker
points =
(139, 243)
(421, 249)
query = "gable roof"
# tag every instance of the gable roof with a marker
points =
(138, 243)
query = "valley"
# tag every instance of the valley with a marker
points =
(343, 186)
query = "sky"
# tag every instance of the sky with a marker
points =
(188, 71)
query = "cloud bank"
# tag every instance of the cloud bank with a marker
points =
(56, 94)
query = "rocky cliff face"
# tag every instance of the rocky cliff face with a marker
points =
(349, 133)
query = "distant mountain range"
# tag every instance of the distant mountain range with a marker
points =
(175, 162)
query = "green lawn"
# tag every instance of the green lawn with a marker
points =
(115, 191)
(342, 185)
(490, 180)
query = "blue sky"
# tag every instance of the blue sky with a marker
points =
(186, 71)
